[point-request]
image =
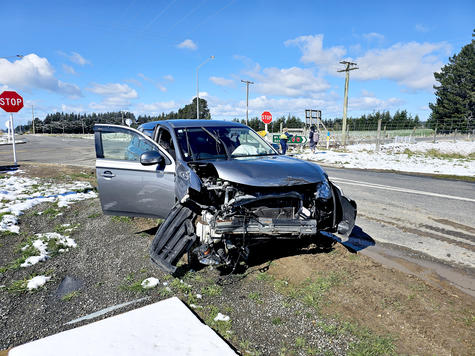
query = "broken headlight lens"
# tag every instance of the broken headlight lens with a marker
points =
(323, 191)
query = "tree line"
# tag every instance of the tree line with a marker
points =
(60, 122)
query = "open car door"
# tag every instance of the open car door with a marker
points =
(134, 176)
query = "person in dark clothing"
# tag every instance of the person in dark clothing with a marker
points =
(311, 139)
(283, 140)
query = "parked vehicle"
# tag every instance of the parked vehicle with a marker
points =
(219, 186)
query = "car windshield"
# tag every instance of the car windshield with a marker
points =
(203, 143)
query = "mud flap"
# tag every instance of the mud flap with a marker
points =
(345, 212)
(173, 239)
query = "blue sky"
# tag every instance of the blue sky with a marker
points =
(142, 56)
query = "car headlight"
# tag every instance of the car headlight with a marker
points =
(323, 191)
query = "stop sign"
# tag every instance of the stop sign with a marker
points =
(11, 101)
(266, 117)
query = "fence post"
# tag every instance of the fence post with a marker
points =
(435, 134)
(378, 137)
(455, 135)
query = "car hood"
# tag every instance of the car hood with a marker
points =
(269, 171)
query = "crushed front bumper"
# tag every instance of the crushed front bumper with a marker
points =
(265, 226)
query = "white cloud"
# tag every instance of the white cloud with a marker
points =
(71, 108)
(373, 36)
(78, 59)
(410, 64)
(222, 81)
(161, 87)
(169, 77)
(292, 82)
(114, 89)
(144, 77)
(421, 28)
(75, 58)
(115, 95)
(134, 82)
(34, 72)
(368, 101)
(157, 107)
(69, 69)
(313, 52)
(187, 44)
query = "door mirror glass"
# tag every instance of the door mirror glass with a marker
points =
(151, 157)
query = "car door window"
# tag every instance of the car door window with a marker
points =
(125, 145)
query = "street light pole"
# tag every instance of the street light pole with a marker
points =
(198, 87)
(247, 98)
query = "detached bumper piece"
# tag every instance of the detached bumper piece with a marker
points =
(173, 239)
(265, 226)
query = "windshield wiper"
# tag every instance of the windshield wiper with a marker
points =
(189, 150)
(219, 141)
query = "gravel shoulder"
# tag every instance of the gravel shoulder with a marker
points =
(313, 297)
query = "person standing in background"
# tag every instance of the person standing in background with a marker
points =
(284, 138)
(310, 139)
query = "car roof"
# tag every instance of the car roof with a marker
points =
(185, 123)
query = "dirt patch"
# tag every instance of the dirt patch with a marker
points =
(423, 319)
(59, 173)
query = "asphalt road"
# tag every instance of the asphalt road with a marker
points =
(51, 149)
(418, 224)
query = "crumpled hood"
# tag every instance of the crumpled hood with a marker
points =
(269, 171)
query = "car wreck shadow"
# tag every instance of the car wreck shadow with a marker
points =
(322, 243)
(357, 241)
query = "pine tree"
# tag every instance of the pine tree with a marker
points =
(455, 96)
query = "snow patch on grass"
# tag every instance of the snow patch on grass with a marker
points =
(37, 282)
(18, 194)
(150, 283)
(59, 242)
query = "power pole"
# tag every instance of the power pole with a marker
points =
(247, 97)
(349, 66)
(33, 119)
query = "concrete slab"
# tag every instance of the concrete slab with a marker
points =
(164, 328)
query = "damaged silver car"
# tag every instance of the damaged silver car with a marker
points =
(220, 187)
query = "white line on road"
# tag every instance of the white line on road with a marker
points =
(396, 189)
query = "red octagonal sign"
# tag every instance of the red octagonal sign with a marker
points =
(266, 117)
(11, 101)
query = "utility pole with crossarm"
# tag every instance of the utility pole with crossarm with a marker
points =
(349, 66)
(247, 97)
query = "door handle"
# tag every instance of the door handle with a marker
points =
(108, 174)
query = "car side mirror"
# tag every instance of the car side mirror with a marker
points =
(151, 157)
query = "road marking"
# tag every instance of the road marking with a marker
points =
(10, 152)
(396, 189)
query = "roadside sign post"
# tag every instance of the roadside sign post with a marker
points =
(266, 118)
(11, 102)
